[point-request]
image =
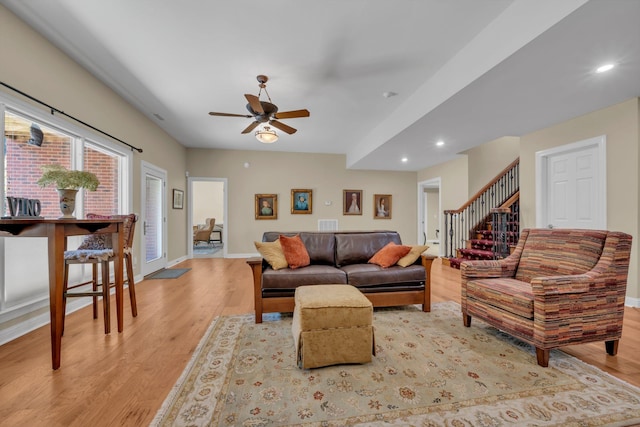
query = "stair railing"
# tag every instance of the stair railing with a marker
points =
(459, 224)
(505, 226)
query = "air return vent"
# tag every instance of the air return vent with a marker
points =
(327, 225)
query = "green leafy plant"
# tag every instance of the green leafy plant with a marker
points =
(64, 178)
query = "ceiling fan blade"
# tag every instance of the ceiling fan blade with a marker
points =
(282, 127)
(254, 102)
(229, 115)
(251, 127)
(291, 114)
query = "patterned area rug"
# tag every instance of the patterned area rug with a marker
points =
(429, 370)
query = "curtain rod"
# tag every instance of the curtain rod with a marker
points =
(55, 110)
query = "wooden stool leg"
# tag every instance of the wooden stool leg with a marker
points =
(132, 286)
(94, 279)
(106, 297)
(64, 294)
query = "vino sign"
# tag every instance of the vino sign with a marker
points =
(20, 207)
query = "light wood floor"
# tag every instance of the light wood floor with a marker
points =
(122, 379)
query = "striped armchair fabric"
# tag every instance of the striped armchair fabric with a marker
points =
(559, 287)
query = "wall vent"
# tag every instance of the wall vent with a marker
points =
(327, 225)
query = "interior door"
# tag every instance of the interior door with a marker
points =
(154, 252)
(574, 189)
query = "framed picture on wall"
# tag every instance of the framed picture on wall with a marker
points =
(301, 201)
(266, 206)
(352, 202)
(178, 199)
(382, 206)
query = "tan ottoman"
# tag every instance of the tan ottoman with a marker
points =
(332, 324)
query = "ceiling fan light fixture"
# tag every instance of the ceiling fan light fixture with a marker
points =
(266, 135)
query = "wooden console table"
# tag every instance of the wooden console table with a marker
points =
(56, 231)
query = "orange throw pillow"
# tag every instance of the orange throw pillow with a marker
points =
(389, 255)
(294, 251)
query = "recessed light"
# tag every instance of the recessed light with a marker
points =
(605, 67)
(440, 143)
(404, 160)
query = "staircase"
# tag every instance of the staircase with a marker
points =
(495, 239)
(488, 225)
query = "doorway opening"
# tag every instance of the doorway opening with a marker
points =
(430, 215)
(208, 201)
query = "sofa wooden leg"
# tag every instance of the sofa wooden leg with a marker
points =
(466, 319)
(543, 357)
(258, 316)
(612, 347)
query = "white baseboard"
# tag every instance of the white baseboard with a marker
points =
(33, 323)
(632, 302)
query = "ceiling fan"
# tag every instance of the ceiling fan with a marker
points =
(265, 112)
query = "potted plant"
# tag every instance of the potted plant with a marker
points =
(67, 183)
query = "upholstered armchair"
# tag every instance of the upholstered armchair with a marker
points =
(559, 287)
(204, 234)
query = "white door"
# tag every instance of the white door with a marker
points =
(154, 252)
(573, 186)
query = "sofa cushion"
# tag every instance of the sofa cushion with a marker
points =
(284, 282)
(364, 275)
(389, 255)
(294, 251)
(358, 248)
(510, 295)
(412, 256)
(549, 252)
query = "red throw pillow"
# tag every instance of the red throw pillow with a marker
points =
(294, 251)
(389, 255)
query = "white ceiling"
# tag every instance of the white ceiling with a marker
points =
(465, 71)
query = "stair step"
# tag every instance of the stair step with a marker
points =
(455, 262)
(476, 254)
(481, 244)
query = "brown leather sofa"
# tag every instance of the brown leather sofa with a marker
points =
(341, 258)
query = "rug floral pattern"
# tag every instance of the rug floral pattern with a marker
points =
(429, 370)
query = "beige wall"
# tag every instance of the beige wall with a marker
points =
(33, 65)
(325, 174)
(454, 183)
(620, 124)
(487, 160)
(208, 201)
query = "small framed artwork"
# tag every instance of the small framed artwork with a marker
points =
(266, 206)
(351, 202)
(301, 201)
(382, 206)
(178, 199)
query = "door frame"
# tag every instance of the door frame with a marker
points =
(422, 185)
(542, 170)
(146, 167)
(225, 201)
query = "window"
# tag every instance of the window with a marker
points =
(32, 138)
(22, 161)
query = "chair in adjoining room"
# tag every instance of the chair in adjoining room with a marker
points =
(96, 249)
(204, 234)
(559, 287)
